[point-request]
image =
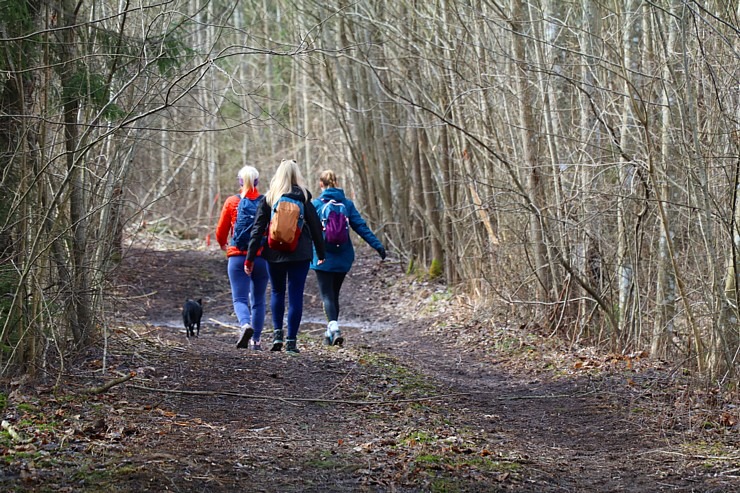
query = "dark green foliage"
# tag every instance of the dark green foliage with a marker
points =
(16, 18)
(173, 53)
(94, 89)
(8, 284)
(17, 15)
(17, 21)
(86, 86)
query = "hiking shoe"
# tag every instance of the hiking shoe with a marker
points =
(333, 336)
(255, 346)
(277, 340)
(247, 332)
(291, 346)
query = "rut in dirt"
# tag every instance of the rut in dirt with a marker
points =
(462, 421)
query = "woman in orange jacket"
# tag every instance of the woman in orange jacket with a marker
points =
(247, 291)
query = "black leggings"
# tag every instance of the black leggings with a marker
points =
(329, 285)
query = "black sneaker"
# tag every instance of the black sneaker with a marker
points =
(291, 346)
(277, 340)
(247, 332)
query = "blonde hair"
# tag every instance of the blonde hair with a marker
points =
(328, 179)
(248, 177)
(287, 175)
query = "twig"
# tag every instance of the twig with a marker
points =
(107, 386)
(14, 434)
(214, 393)
(339, 383)
(694, 456)
(222, 324)
(290, 400)
(145, 295)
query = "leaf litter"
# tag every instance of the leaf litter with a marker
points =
(428, 394)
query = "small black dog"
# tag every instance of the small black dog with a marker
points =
(192, 311)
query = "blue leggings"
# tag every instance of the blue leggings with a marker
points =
(248, 294)
(294, 275)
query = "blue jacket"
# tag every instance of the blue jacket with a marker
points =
(339, 259)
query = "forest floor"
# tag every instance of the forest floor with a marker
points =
(426, 395)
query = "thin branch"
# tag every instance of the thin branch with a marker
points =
(222, 324)
(107, 386)
(290, 400)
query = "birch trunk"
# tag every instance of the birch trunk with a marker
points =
(625, 267)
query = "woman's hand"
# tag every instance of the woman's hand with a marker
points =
(248, 267)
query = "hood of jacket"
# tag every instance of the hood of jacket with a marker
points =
(333, 194)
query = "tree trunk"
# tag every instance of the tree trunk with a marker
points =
(529, 140)
(418, 252)
(588, 253)
(79, 296)
(625, 267)
(665, 290)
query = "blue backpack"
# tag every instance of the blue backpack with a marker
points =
(286, 224)
(334, 221)
(245, 214)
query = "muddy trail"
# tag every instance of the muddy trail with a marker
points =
(422, 397)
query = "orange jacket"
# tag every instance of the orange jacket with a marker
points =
(225, 226)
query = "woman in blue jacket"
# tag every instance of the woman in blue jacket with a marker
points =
(339, 253)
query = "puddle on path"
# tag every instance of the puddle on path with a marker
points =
(308, 324)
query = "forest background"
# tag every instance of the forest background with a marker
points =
(570, 164)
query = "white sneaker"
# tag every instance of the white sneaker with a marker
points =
(246, 335)
(333, 336)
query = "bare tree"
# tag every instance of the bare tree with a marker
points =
(573, 161)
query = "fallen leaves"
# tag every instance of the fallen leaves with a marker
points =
(224, 439)
(609, 361)
(728, 420)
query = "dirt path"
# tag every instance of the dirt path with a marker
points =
(405, 406)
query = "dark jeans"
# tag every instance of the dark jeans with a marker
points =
(290, 275)
(329, 285)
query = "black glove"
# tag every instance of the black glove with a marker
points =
(381, 252)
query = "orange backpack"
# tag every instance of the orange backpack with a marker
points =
(286, 223)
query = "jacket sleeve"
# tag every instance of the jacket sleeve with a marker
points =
(261, 220)
(360, 227)
(223, 228)
(314, 225)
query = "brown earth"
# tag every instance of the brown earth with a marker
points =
(426, 395)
